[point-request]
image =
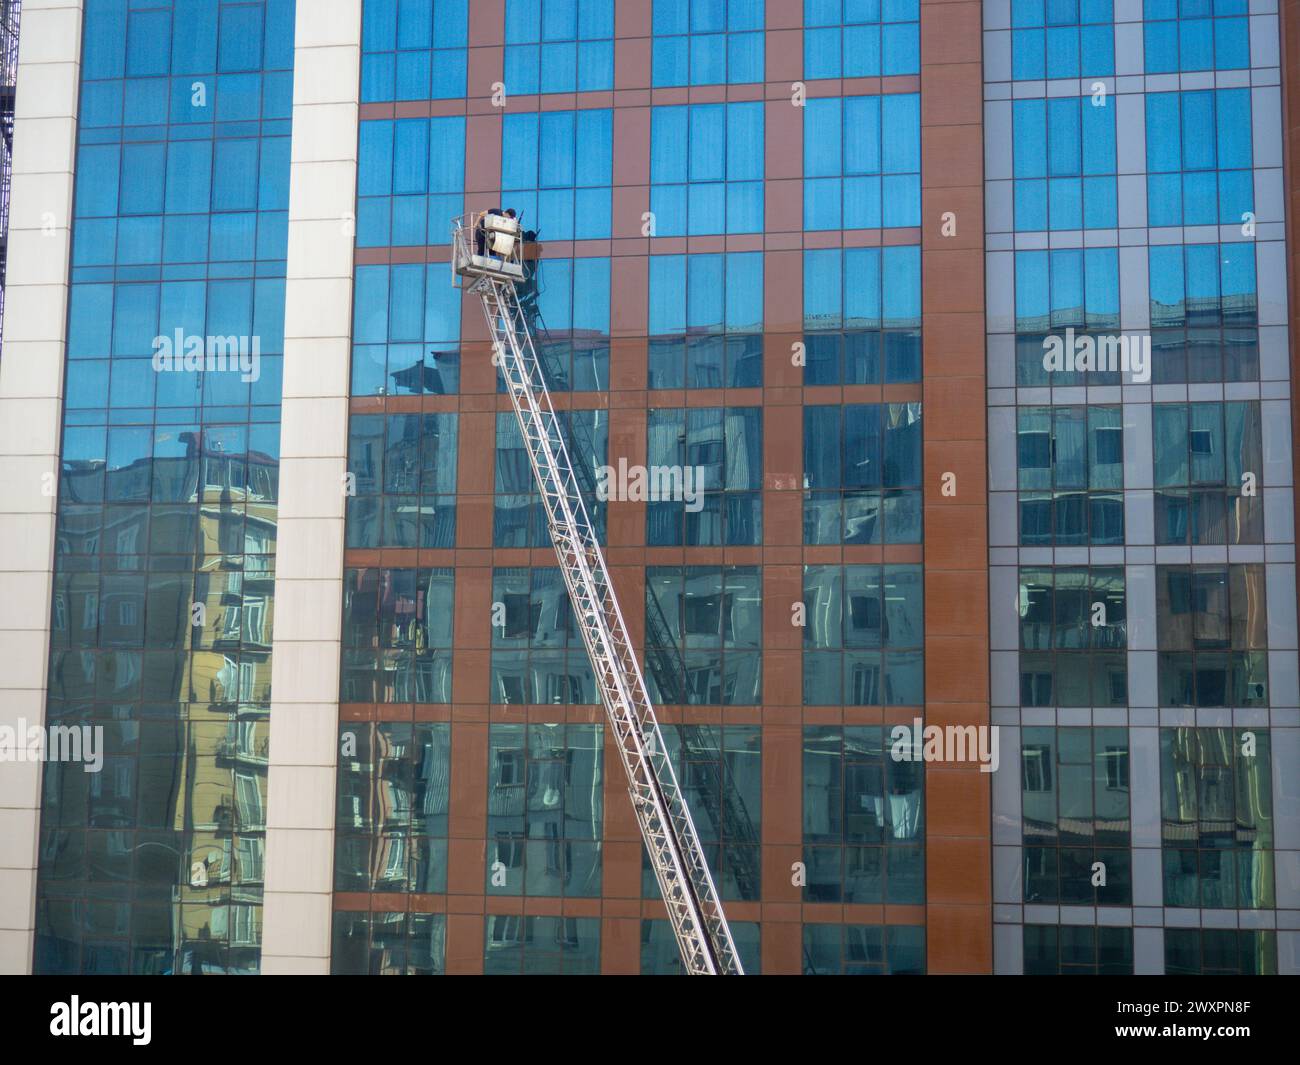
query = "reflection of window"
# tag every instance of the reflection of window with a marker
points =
(1116, 761)
(701, 614)
(248, 799)
(505, 930)
(1036, 765)
(510, 850)
(510, 769)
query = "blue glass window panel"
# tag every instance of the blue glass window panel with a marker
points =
(145, 101)
(901, 195)
(595, 147)
(823, 289)
(595, 18)
(862, 287)
(1233, 127)
(595, 66)
(744, 142)
(861, 135)
(132, 383)
(147, 43)
(1096, 51)
(668, 205)
(744, 292)
(823, 138)
(1027, 55)
(671, 60)
(1098, 139)
(1031, 205)
(708, 16)
(189, 175)
(1200, 198)
(862, 202)
(1064, 138)
(104, 43)
(670, 16)
(139, 240)
(234, 186)
(1100, 203)
(709, 59)
(559, 67)
(1236, 195)
(555, 150)
(822, 198)
(901, 48)
(239, 97)
(901, 126)
(142, 179)
(101, 103)
(1198, 131)
(413, 75)
(1161, 47)
(821, 53)
(449, 73)
(901, 268)
(745, 57)
(378, 77)
(1195, 44)
(708, 159)
(706, 207)
(446, 154)
(1028, 125)
(862, 52)
(1231, 43)
(745, 15)
(1165, 199)
(1164, 147)
(1065, 203)
(240, 43)
(667, 309)
(668, 133)
(370, 317)
(1063, 52)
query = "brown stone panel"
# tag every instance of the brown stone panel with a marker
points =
(965, 460)
(629, 293)
(465, 944)
(1289, 17)
(782, 588)
(958, 851)
(955, 804)
(782, 817)
(783, 295)
(620, 947)
(482, 158)
(487, 21)
(958, 939)
(782, 947)
(467, 808)
(631, 152)
(952, 34)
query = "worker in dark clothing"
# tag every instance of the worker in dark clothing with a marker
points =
(480, 231)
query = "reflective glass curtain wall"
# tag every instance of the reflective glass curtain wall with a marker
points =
(165, 557)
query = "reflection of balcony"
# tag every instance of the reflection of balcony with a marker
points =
(230, 750)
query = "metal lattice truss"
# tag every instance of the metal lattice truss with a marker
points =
(694, 907)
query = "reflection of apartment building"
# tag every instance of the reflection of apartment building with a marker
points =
(804, 260)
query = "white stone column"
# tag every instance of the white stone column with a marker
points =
(313, 458)
(31, 412)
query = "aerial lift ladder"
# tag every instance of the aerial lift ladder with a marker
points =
(487, 254)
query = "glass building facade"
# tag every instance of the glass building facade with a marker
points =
(1134, 166)
(164, 568)
(964, 327)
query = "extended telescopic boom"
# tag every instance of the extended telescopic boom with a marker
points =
(487, 254)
